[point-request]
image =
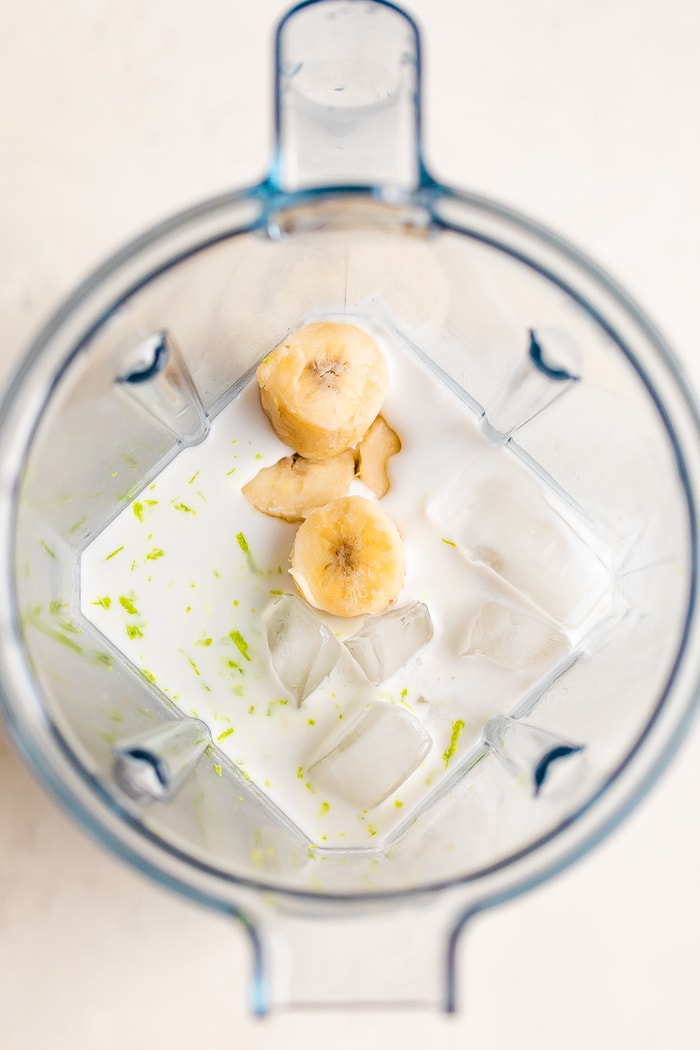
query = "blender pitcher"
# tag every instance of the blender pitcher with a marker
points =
(551, 461)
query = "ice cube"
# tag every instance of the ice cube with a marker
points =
(302, 649)
(513, 638)
(377, 753)
(500, 516)
(386, 642)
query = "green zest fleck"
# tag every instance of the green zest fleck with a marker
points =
(371, 829)
(276, 592)
(204, 641)
(154, 554)
(226, 732)
(55, 608)
(104, 602)
(404, 694)
(398, 803)
(148, 675)
(218, 770)
(194, 667)
(126, 603)
(74, 528)
(235, 666)
(183, 507)
(300, 772)
(48, 549)
(457, 727)
(133, 631)
(33, 616)
(450, 543)
(103, 658)
(240, 643)
(310, 722)
(230, 472)
(251, 709)
(115, 552)
(193, 478)
(138, 510)
(325, 806)
(243, 544)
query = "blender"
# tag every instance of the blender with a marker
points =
(568, 384)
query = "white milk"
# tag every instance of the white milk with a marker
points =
(179, 582)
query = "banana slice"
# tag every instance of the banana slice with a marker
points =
(373, 453)
(322, 387)
(294, 486)
(348, 558)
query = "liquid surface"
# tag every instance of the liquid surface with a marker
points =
(181, 580)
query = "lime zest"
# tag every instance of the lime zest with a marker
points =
(457, 727)
(243, 544)
(240, 643)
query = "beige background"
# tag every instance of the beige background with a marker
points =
(584, 114)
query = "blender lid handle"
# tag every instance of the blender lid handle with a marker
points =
(347, 97)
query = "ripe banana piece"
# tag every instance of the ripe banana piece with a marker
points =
(294, 486)
(348, 558)
(378, 445)
(322, 387)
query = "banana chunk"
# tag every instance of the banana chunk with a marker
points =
(322, 387)
(378, 445)
(348, 558)
(294, 486)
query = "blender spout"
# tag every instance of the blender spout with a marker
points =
(362, 955)
(347, 100)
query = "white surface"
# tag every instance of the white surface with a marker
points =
(583, 114)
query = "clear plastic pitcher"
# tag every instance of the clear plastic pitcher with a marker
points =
(551, 453)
